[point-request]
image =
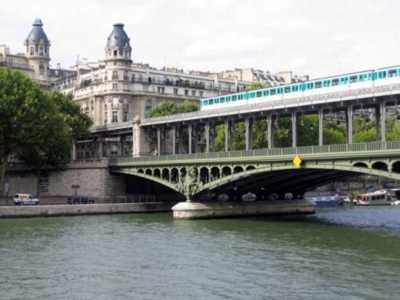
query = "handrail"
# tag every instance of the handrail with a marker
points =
(334, 148)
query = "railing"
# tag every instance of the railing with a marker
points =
(337, 148)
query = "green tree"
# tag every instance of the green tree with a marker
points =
(256, 86)
(36, 127)
(167, 108)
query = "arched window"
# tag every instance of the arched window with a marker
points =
(41, 69)
(115, 75)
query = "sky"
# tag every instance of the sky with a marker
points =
(314, 37)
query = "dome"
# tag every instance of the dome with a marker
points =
(118, 38)
(37, 33)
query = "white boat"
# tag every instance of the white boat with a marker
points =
(397, 202)
(380, 197)
(25, 199)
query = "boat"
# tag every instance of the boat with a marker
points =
(327, 201)
(25, 199)
(380, 197)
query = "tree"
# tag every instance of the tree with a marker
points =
(167, 108)
(36, 127)
(257, 86)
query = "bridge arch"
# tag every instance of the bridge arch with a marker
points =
(380, 165)
(396, 167)
(360, 165)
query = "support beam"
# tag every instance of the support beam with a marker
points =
(349, 124)
(226, 123)
(269, 131)
(173, 140)
(158, 140)
(190, 128)
(294, 129)
(248, 138)
(381, 120)
(73, 151)
(321, 127)
(207, 136)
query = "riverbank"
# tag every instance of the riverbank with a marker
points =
(82, 209)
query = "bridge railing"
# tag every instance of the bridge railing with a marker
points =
(336, 148)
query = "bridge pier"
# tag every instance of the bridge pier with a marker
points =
(210, 210)
(321, 127)
(294, 129)
(349, 124)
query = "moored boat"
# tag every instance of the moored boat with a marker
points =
(380, 197)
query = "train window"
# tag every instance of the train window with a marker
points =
(287, 89)
(205, 102)
(303, 86)
(265, 92)
(222, 100)
(259, 94)
(353, 78)
(240, 97)
(252, 95)
(392, 73)
(273, 91)
(280, 90)
(327, 83)
(344, 80)
(234, 97)
(228, 98)
(335, 81)
(310, 85)
(295, 88)
(362, 77)
(318, 84)
(211, 101)
(382, 74)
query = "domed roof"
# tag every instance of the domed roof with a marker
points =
(118, 37)
(37, 33)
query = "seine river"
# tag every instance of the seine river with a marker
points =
(337, 254)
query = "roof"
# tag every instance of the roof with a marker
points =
(37, 33)
(118, 37)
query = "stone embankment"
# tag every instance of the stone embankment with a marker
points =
(82, 209)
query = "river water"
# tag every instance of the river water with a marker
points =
(336, 254)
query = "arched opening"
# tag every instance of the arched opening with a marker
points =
(360, 165)
(183, 172)
(215, 174)
(149, 172)
(204, 176)
(380, 166)
(157, 173)
(140, 171)
(237, 169)
(226, 171)
(174, 175)
(165, 174)
(249, 168)
(396, 167)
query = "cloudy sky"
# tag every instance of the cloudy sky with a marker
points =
(307, 36)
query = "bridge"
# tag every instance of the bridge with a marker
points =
(175, 152)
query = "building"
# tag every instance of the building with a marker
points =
(254, 75)
(35, 61)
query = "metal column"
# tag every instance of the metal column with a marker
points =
(269, 131)
(349, 124)
(381, 119)
(190, 138)
(207, 136)
(248, 137)
(226, 135)
(321, 127)
(294, 129)
(158, 140)
(173, 140)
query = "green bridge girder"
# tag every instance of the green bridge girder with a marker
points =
(272, 169)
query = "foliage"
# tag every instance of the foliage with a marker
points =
(257, 85)
(167, 108)
(36, 127)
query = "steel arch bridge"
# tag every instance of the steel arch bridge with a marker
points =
(273, 170)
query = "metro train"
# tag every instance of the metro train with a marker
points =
(369, 78)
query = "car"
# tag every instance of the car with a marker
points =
(25, 199)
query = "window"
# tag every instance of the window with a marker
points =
(318, 84)
(175, 91)
(240, 97)
(125, 116)
(353, 78)
(114, 116)
(115, 53)
(201, 93)
(259, 94)
(327, 83)
(265, 92)
(287, 89)
(115, 75)
(186, 92)
(310, 85)
(105, 115)
(115, 86)
(222, 100)
(41, 69)
(335, 81)
(32, 52)
(193, 93)
(234, 97)
(126, 75)
(295, 88)
(273, 92)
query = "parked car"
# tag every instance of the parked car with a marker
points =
(25, 199)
